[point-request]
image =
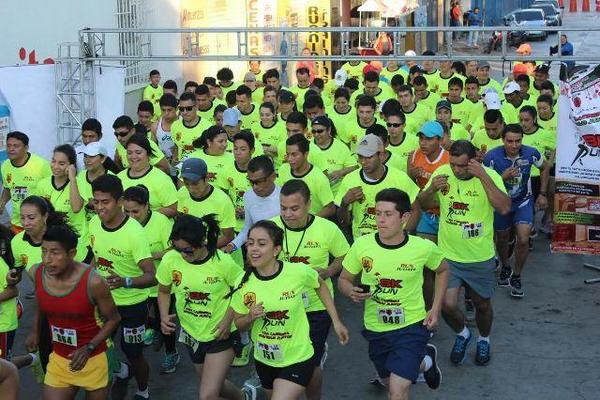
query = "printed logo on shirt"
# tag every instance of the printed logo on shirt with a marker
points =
(299, 259)
(387, 286)
(199, 298)
(406, 267)
(275, 318)
(104, 265)
(249, 299)
(312, 244)
(9, 178)
(287, 295)
(367, 264)
(176, 277)
(457, 208)
(211, 280)
(23, 259)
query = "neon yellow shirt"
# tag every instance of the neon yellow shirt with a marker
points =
(315, 155)
(300, 93)
(119, 250)
(214, 164)
(312, 246)
(403, 149)
(550, 125)
(250, 118)
(354, 71)
(483, 142)
(200, 289)
(155, 159)
(466, 232)
(337, 156)
(492, 83)
(388, 75)
(511, 113)
(385, 93)
(153, 95)
(227, 89)
(417, 117)
(85, 192)
(543, 141)
(432, 81)
(477, 110)
(236, 184)
(8, 308)
(159, 185)
(431, 100)
(461, 111)
(341, 119)
(317, 182)
(208, 114)
(183, 136)
(158, 230)
(443, 83)
(270, 136)
(395, 275)
(281, 338)
(363, 212)
(352, 132)
(215, 202)
(21, 181)
(459, 132)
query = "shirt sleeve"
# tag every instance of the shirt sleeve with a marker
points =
(240, 239)
(538, 160)
(164, 272)
(168, 193)
(227, 213)
(237, 301)
(338, 244)
(341, 191)
(497, 180)
(140, 247)
(351, 262)
(311, 278)
(435, 257)
(231, 271)
(409, 186)
(325, 194)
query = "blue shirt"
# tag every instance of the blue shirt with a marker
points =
(474, 19)
(518, 186)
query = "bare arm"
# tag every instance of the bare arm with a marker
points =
(227, 236)
(415, 215)
(4, 198)
(163, 165)
(327, 211)
(8, 293)
(74, 196)
(441, 284)
(147, 279)
(428, 199)
(106, 305)
(169, 211)
(499, 200)
(338, 326)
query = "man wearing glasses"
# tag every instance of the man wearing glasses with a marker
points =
(187, 129)
(124, 129)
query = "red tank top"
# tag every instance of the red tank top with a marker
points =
(71, 317)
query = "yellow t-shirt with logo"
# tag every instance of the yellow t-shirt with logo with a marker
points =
(8, 308)
(155, 159)
(355, 71)
(353, 131)
(432, 81)
(269, 136)
(313, 246)
(315, 155)
(363, 212)
(160, 186)
(209, 113)
(550, 125)
(153, 95)
(483, 142)
(281, 338)
(236, 184)
(466, 232)
(215, 165)
(200, 289)
(341, 119)
(317, 182)
(431, 100)
(300, 93)
(215, 202)
(461, 111)
(119, 251)
(417, 117)
(511, 113)
(543, 141)
(250, 118)
(183, 136)
(492, 83)
(403, 149)
(459, 132)
(158, 230)
(338, 156)
(442, 83)
(21, 181)
(395, 276)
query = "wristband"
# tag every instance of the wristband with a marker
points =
(128, 282)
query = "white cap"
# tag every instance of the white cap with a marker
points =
(487, 90)
(369, 145)
(340, 77)
(231, 117)
(492, 101)
(410, 53)
(94, 149)
(511, 87)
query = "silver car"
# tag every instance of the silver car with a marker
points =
(527, 20)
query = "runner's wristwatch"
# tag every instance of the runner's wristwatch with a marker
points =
(90, 347)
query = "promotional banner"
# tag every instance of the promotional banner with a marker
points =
(577, 198)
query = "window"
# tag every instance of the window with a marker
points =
(132, 14)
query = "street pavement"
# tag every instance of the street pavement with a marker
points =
(544, 346)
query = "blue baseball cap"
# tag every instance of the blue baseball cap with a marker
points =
(194, 169)
(432, 129)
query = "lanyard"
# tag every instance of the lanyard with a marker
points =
(287, 249)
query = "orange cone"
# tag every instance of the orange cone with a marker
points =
(573, 6)
(585, 7)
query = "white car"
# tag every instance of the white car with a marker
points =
(527, 20)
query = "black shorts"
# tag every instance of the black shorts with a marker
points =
(133, 328)
(299, 373)
(320, 324)
(214, 346)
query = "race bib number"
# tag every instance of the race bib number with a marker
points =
(186, 339)
(64, 336)
(470, 231)
(19, 193)
(134, 335)
(270, 352)
(392, 316)
(305, 299)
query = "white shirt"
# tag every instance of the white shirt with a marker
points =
(257, 208)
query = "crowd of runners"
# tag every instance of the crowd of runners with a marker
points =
(235, 211)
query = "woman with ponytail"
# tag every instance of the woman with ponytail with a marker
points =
(269, 301)
(212, 146)
(200, 276)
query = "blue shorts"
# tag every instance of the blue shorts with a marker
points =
(429, 223)
(480, 276)
(398, 352)
(520, 213)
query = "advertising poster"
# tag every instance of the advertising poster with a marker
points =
(577, 198)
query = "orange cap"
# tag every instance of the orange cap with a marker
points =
(520, 69)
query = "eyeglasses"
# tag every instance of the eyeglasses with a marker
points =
(393, 125)
(258, 181)
(185, 108)
(318, 130)
(121, 134)
(188, 251)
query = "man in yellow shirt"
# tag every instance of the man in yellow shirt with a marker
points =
(423, 93)
(300, 89)
(416, 113)
(354, 68)
(153, 92)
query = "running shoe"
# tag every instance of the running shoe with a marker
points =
(503, 278)
(140, 397)
(459, 350)
(482, 357)
(169, 363)
(530, 245)
(244, 358)
(149, 336)
(36, 369)
(469, 310)
(250, 388)
(516, 290)
(433, 376)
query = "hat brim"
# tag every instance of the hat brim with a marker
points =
(191, 176)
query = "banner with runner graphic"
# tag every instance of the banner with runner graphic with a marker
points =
(577, 198)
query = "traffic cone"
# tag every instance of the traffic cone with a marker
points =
(585, 7)
(573, 6)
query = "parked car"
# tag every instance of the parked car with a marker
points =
(552, 16)
(555, 3)
(527, 20)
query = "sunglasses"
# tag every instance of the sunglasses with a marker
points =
(188, 251)
(393, 125)
(318, 130)
(121, 134)
(258, 181)
(185, 108)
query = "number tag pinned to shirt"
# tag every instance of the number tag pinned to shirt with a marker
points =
(64, 336)
(19, 193)
(186, 339)
(271, 352)
(134, 335)
(471, 231)
(305, 299)
(394, 315)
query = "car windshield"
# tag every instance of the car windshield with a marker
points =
(528, 16)
(548, 9)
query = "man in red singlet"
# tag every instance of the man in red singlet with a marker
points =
(71, 295)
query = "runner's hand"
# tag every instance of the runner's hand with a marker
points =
(342, 332)
(352, 195)
(227, 248)
(510, 173)
(78, 359)
(323, 273)
(114, 281)
(32, 342)
(256, 311)
(431, 320)
(541, 203)
(14, 276)
(167, 326)
(415, 172)
(72, 172)
(222, 330)
(475, 168)
(357, 295)
(439, 182)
